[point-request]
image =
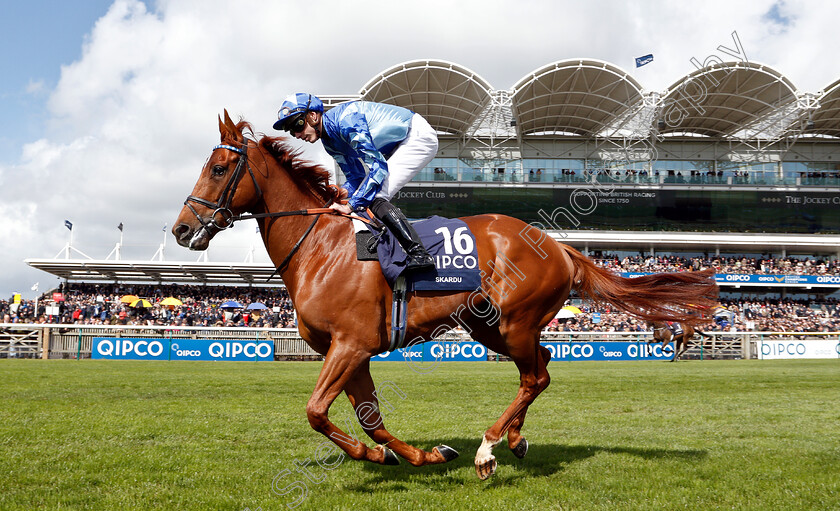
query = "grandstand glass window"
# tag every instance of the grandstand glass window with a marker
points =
(553, 170)
(439, 169)
(494, 170)
(812, 173)
(752, 172)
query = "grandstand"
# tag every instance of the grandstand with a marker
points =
(731, 159)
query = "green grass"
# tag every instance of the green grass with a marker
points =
(761, 435)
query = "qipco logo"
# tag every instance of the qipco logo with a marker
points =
(236, 349)
(177, 351)
(124, 348)
(455, 351)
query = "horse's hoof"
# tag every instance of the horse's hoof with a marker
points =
(447, 452)
(485, 468)
(390, 457)
(521, 449)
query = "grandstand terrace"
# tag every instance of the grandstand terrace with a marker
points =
(731, 161)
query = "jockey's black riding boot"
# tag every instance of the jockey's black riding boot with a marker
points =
(396, 222)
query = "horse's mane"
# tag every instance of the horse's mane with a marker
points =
(308, 175)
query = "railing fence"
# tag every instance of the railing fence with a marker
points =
(18, 340)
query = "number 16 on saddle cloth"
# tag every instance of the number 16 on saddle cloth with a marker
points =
(450, 243)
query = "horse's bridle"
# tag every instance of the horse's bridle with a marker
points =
(222, 206)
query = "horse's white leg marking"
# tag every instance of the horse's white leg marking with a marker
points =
(485, 451)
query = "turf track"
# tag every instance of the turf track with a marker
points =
(605, 435)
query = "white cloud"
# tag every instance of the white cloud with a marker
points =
(132, 121)
(35, 87)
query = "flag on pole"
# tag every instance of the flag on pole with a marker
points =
(164, 227)
(643, 60)
(120, 227)
(68, 224)
(35, 287)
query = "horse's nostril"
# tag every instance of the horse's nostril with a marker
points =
(182, 231)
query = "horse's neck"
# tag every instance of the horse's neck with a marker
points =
(282, 234)
(282, 193)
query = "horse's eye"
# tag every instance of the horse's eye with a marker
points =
(219, 170)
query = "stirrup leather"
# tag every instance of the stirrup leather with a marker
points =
(398, 314)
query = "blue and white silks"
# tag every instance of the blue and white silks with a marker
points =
(362, 133)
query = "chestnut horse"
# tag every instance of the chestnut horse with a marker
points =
(344, 305)
(663, 333)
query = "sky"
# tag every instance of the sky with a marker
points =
(108, 108)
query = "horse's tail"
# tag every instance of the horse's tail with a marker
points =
(683, 297)
(704, 334)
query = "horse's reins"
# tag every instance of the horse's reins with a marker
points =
(222, 206)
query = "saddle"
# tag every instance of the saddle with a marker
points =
(676, 328)
(451, 245)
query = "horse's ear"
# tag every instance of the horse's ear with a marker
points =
(231, 126)
(222, 128)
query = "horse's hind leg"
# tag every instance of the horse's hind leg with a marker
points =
(683, 347)
(517, 443)
(365, 400)
(533, 379)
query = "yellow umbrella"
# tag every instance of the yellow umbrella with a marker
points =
(141, 303)
(129, 299)
(171, 301)
(572, 309)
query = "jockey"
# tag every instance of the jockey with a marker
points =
(379, 148)
(675, 327)
(723, 317)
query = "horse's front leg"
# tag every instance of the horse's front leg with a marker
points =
(365, 400)
(341, 363)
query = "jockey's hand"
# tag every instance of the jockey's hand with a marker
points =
(341, 208)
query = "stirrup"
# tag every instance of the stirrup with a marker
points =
(423, 262)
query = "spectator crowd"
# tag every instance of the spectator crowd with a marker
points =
(721, 264)
(103, 304)
(766, 315)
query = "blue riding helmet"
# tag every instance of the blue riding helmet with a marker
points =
(295, 106)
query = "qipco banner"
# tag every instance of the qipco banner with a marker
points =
(798, 349)
(608, 350)
(432, 352)
(181, 349)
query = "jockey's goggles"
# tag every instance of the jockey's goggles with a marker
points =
(291, 119)
(296, 123)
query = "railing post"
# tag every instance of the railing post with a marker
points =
(45, 343)
(760, 354)
(746, 347)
